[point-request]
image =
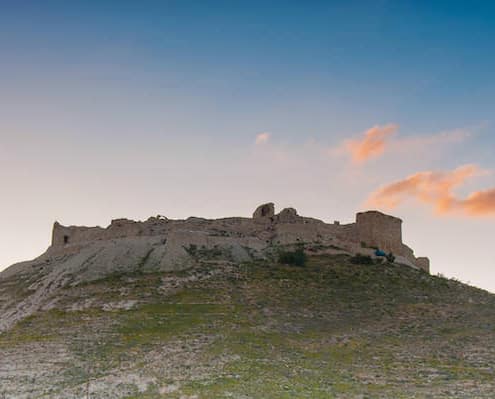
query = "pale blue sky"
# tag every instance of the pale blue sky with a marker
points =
(128, 109)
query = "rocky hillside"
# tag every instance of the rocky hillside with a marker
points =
(80, 254)
(335, 326)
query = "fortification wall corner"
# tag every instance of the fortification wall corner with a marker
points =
(64, 235)
(58, 234)
(423, 263)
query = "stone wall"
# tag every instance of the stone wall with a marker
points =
(372, 228)
(375, 229)
(64, 235)
(118, 228)
(423, 263)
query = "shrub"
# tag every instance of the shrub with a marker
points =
(360, 259)
(191, 249)
(391, 257)
(295, 258)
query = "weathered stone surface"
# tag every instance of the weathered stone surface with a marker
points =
(376, 229)
(372, 229)
(423, 263)
(264, 211)
(288, 215)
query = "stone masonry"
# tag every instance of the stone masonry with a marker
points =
(247, 237)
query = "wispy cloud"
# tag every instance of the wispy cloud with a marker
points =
(436, 188)
(422, 142)
(262, 138)
(480, 202)
(382, 139)
(372, 144)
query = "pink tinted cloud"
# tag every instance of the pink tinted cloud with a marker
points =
(436, 189)
(480, 203)
(372, 144)
(380, 140)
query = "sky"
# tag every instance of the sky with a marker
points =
(114, 109)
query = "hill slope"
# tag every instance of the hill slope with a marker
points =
(256, 330)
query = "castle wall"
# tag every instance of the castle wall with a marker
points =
(423, 263)
(119, 228)
(63, 235)
(376, 229)
(347, 232)
(372, 228)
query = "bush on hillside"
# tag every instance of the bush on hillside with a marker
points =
(391, 257)
(296, 258)
(360, 259)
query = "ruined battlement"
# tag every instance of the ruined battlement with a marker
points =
(372, 229)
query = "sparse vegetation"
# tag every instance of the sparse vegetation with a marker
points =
(192, 249)
(360, 259)
(296, 257)
(204, 253)
(390, 257)
(333, 329)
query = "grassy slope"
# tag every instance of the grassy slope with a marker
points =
(330, 329)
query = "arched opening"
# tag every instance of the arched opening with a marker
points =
(66, 239)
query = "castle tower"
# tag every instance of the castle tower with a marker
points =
(375, 229)
(60, 235)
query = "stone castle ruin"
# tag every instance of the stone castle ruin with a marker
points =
(170, 244)
(83, 254)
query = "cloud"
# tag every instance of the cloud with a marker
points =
(480, 202)
(379, 140)
(371, 145)
(262, 138)
(421, 142)
(436, 189)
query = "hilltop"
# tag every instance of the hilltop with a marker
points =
(80, 254)
(215, 308)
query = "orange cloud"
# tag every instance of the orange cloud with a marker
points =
(372, 144)
(479, 203)
(379, 140)
(436, 189)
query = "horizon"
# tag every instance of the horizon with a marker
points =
(114, 110)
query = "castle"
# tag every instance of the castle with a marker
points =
(79, 255)
(246, 238)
